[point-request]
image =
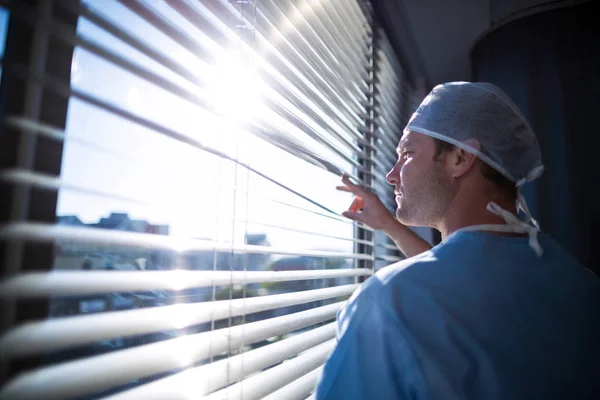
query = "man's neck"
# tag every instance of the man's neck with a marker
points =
(463, 212)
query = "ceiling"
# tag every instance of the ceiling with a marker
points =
(435, 37)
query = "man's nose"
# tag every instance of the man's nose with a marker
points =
(393, 177)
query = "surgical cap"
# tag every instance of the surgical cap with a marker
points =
(458, 111)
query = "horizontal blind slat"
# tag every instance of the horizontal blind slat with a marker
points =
(206, 379)
(302, 92)
(67, 283)
(108, 370)
(65, 90)
(50, 182)
(283, 87)
(343, 59)
(298, 389)
(260, 385)
(332, 86)
(100, 237)
(34, 337)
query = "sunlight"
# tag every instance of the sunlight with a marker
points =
(295, 18)
(133, 98)
(178, 278)
(181, 317)
(235, 87)
(75, 69)
(168, 173)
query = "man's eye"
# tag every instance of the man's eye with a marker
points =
(404, 155)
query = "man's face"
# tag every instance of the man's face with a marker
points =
(421, 183)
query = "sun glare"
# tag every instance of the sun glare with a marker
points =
(235, 87)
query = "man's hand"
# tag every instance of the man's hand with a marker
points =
(367, 207)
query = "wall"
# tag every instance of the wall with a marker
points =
(552, 75)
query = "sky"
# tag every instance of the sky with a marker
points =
(188, 189)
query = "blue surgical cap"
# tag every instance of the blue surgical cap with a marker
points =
(463, 112)
(456, 112)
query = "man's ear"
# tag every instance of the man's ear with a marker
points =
(463, 160)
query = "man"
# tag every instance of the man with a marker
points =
(498, 310)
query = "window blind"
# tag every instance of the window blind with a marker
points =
(391, 107)
(194, 245)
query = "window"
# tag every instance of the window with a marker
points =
(395, 98)
(197, 248)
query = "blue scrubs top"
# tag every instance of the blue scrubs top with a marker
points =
(480, 316)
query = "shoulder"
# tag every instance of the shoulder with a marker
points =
(420, 268)
(375, 295)
(407, 267)
(415, 274)
(387, 276)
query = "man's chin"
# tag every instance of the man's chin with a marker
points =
(404, 219)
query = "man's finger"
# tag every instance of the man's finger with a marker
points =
(356, 189)
(356, 204)
(355, 216)
(344, 189)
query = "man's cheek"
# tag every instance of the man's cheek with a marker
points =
(405, 175)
